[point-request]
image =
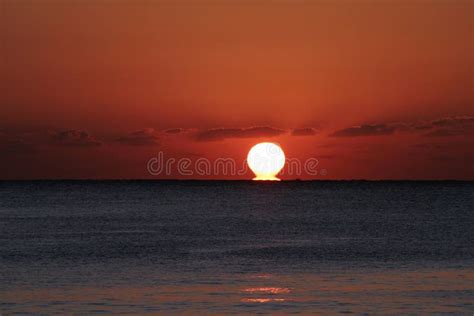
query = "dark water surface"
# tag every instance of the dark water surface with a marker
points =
(197, 247)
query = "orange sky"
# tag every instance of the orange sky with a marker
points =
(386, 88)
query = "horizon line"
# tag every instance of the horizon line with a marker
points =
(228, 180)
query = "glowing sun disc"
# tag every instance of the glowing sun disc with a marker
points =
(266, 160)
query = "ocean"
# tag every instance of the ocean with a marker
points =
(236, 247)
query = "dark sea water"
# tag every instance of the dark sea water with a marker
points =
(204, 247)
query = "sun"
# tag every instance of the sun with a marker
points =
(266, 160)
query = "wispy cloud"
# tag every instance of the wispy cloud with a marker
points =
(174, 131)
(443, 132)
(306, 131)
(75, 138)
(451, 126)
(217, 134)
(143, 137)
(365, 130)
(442, 127)
(455, 121)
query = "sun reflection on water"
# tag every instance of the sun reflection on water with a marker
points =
(262, 300)
(267, 290)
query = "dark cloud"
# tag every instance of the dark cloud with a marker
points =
(443, 132)
(174, 131)
(251, 132)
(144, 137)
(443, 127)
(365, 130)
(75, 138)
(452, 126)
(455, 121)
(306, 131)
(422, 127)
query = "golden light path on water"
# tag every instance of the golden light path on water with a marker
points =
(390, 291)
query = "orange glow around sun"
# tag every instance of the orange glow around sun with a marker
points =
(266, 160)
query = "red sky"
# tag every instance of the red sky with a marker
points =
(371, 89)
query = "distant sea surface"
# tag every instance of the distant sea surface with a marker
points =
(236, 247)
